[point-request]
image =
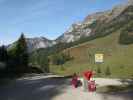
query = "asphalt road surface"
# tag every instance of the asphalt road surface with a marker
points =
(51, 87)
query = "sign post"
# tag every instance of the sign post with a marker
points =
(99, 58)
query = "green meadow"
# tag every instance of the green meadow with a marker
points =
(118, 58)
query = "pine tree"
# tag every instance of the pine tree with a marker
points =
(22, 53)
(3, 57)
(46, 64)
(3, 54)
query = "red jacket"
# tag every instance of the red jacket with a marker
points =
(88, 74)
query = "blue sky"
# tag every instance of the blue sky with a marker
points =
(48, 18)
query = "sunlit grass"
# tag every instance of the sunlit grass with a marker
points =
(119, 58)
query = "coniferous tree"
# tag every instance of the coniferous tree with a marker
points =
(40, 60)
(99, 70)
(21, 54)
(107, 71)
(3, 57)
(3, 61)
(3, 54)
(46, 64)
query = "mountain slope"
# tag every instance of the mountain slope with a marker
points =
(104, 37)
(37, 43)
(102, 28)
(74, 33)
(94, 24)
(117, 57)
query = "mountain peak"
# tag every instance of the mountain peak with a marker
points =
(80, 29)
(38, 42)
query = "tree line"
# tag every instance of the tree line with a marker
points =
(15, 60)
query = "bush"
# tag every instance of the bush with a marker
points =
(99, 70)
(107, 71)
(2, 65)
(60, 58)
(126, 36)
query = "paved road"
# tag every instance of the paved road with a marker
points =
(54, 88)
(33, 88)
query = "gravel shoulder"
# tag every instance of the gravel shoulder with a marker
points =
(78, 94)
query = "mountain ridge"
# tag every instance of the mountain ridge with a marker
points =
(86, 28)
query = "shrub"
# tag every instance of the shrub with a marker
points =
(107, 71)
(99, 70)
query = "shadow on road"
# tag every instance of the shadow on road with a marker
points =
(38, 89)
(118, 96)
(126, 81)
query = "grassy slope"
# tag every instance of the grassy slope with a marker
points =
(118, 57)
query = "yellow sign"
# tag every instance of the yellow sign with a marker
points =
(98, 58)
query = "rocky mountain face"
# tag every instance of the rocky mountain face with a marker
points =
(84, 29)
(37, 43)
(75, 32)
(94, 24)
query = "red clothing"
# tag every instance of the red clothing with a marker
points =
(92, 86)
(74, 81)
(88, 74)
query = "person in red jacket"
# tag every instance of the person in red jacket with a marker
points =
(87, 75)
